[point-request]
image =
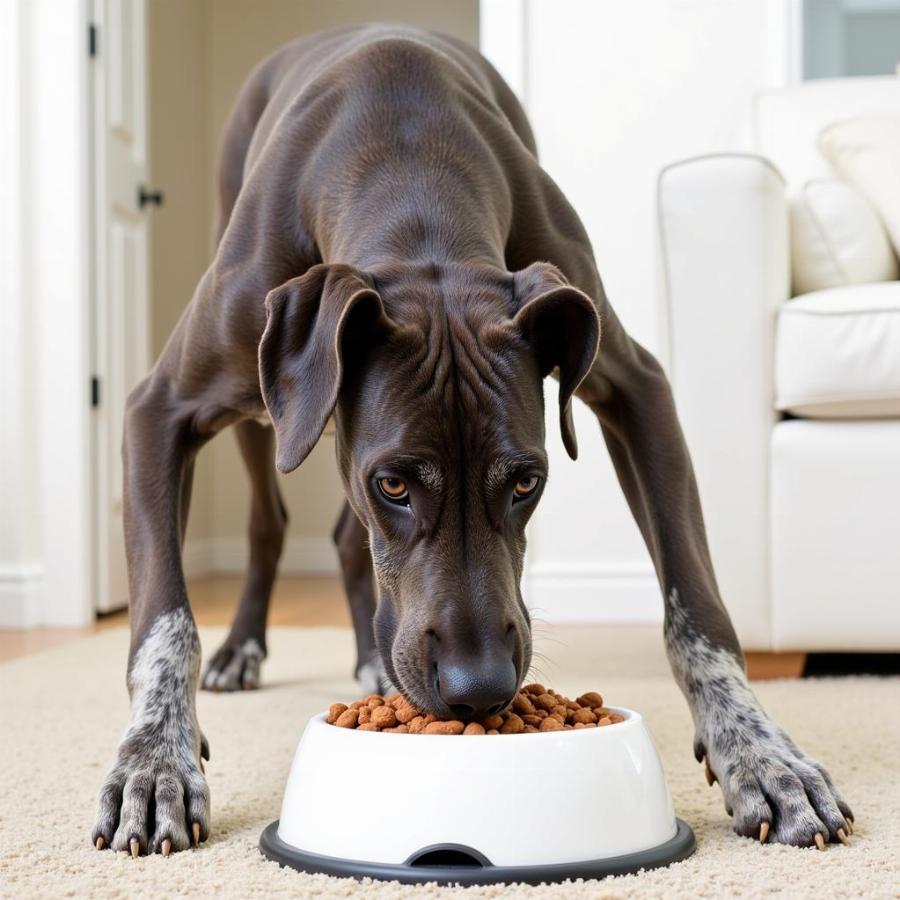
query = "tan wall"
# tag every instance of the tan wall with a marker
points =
(200, 53)
(178, 44)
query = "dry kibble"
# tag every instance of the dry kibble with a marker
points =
(406, 712)
(451, 727)
(334, 711)
(533, 709)
(523, 705)
(348, 718)
(512, 725)
(592, 699)
(384, 717)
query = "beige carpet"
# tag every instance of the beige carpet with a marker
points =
(62, 711)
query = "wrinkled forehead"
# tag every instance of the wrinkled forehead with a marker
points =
(449, 387)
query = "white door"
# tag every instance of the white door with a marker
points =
(122, 329)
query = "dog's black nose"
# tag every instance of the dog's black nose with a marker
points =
(477, 689)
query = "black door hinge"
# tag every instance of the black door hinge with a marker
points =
(95, 391)
(92, 40)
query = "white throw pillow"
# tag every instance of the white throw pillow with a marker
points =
(866, 151)
(837, 238)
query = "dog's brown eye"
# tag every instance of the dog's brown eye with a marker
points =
(394, 489)
(526, 486)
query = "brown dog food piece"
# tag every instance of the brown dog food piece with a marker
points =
(534, 720)
(545, 701)
(584, 716)
(591, 699)
(416, 725)
(492, 731)
(384, 717)
(400, 729)
(406, 712)
(536, 689)
(334, 711)
(551, 723)
(606, 720)
(512, 725)
(365, 715)
(368, 726)
(451, 727)
(492, 722)
(522, 705)
(348, 718)
(529, 729)
(474, 728)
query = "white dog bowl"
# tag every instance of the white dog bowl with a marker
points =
(473, 810)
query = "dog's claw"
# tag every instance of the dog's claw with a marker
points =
(135, 846)
(166, 847)
(849, 823)
(820, 841)
(763, 832)
(195, 828)
(100, 843)
(842, 837)
(710, 776)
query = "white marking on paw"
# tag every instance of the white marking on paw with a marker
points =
(762, 773)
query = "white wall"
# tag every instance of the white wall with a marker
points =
(45, 550)
(615, 91)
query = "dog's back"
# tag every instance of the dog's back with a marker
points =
(362, 98)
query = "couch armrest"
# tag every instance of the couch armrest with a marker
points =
(725, 252)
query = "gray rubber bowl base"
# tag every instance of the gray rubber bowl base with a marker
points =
(426, 866)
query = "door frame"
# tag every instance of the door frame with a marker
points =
(46, 570)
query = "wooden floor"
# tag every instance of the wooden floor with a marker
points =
(305, 601)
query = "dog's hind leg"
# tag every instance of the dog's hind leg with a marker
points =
(351, 540)
(235, 665)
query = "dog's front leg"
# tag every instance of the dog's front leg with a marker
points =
(770, 787)
(156, 799)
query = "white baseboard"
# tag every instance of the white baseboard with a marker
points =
(19, 596)
(557, 591)
(229, 556)
(571, 591)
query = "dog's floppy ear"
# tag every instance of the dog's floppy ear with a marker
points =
(561, 324)
(309, 320)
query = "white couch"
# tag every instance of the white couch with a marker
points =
(791, 404)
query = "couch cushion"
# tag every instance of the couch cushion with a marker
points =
(788, 121)
(837, 238)
(837, 353)
(866, 151)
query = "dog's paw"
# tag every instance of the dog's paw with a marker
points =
(155, 799)
(373, 679)
(234, 667)
(771, 788)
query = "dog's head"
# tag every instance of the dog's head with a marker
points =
(435, 382)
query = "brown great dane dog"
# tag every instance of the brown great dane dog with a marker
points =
(391, 253)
